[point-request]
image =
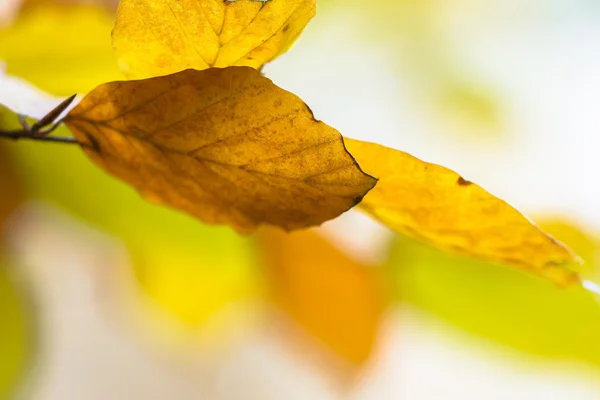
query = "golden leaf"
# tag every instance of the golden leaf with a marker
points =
(338, 300)
(225, 145)
(154, 38)
(438, 206)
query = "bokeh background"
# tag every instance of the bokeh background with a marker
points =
(104, 296)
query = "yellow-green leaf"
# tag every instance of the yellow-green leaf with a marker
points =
(438, 206)
(154, 38)
(501, 304)
(16, 334)
(225, 145)
(15, 338)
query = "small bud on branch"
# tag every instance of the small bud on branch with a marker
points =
(43, 128)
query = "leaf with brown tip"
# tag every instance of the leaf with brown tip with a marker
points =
(436, 205)
(225, 145)
(154, 38)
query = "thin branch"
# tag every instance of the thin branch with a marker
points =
(16, 135)
(37, 131)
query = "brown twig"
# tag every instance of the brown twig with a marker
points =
(41, 130)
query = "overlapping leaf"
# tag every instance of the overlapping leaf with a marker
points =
(438, 206)
(154, 38)
(225, 145)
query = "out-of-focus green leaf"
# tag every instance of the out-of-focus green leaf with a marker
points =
(61, 49)
(15, 334)
(468, 107)
(414, 33)
(15, 341)
(504, 305)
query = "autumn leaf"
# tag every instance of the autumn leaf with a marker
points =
(438, 206)
(225, 145)
(154, 38)
(338, 300)
(60, 49)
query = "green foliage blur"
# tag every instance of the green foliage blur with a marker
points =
(16, 333)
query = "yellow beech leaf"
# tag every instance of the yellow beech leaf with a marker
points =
(338, 300)
(225, 145)
(153, 38)
(438, 206)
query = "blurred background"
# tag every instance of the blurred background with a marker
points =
(104, 296)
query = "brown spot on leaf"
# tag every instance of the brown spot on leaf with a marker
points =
(441, 212)
(285, 29)
(463, 182)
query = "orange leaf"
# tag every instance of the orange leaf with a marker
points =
(338, 300)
